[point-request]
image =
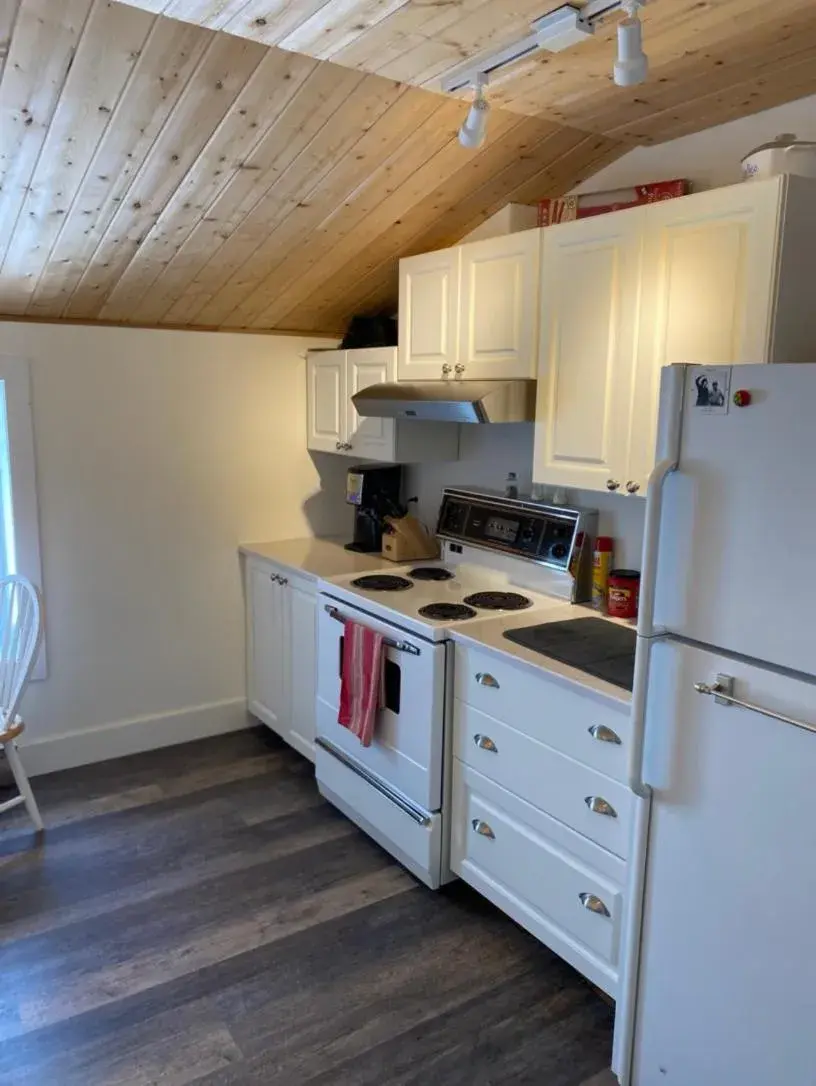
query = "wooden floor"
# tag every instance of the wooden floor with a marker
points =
(200, 915)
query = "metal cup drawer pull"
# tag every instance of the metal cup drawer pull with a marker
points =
(593, 904)
(604, 734)
(484, 742)
(482, 828)
(598, 805)
(484, 678)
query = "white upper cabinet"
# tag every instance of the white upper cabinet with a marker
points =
(326, 400)
(335, 426)
(717, 277)
(470, 311)
(429, 315)
(590, 274)
(499, 306)
(370, 437)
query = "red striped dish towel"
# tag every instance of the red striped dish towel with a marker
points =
(361, 681)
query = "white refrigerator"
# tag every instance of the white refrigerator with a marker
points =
(719, 980)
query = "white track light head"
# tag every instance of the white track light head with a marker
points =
(473, 131)
(632, 65)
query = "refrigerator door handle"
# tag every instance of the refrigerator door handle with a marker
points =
(723, 690)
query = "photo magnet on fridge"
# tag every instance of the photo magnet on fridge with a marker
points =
(711, 389)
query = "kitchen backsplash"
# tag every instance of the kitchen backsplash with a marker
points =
(488, 453)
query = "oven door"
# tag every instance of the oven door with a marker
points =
(406, 753)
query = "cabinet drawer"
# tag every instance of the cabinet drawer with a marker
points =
(504, 848)
(592, 804)
(545, 709)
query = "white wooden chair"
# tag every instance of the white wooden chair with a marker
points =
(20, 633)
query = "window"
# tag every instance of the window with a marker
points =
(19, 522)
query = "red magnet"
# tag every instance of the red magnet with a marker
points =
(742, 398)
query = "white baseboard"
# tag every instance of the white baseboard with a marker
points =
(133, 736)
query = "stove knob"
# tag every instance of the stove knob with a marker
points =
(559, 551)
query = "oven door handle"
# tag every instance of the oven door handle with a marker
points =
(400, 646)
(422, 818)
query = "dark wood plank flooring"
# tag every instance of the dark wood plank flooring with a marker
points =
(200, 915)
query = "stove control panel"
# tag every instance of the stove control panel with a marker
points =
(527, 529)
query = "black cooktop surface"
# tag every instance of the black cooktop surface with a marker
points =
(593, 645)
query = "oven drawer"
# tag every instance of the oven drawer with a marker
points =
(581, 724)
(540, 874)
(592, 804)
(412, 836)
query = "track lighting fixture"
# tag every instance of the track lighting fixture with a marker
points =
(561, 29)
(473, 131)
(632, 65)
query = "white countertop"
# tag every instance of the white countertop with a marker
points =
(489, 633)
(314, 557)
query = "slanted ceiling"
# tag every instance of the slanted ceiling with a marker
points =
(155, 171)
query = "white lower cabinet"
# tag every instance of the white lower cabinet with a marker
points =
(281, 652)
(541, 816)
(564, 890)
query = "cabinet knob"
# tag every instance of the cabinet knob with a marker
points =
(483, 829)
(347, 446)
(484, 678)
(594, 904)
(598, 805)
(612, 484)
(459, 368)
(274, 578)
(604, 734)
(338, 445)
(445, 370)
(484, 742)
(632, 487)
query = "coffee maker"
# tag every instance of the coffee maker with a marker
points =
(375, 492)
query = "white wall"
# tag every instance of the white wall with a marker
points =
(711, 158)
(487, 454)
(157, 453)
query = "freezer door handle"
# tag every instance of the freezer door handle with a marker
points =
(722, 690)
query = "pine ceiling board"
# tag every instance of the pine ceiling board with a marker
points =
(82, 115)
(40, 55)
(222, 72)
(166, 64)
(419, 42)
(363, 107)
(359, 214)
(481, 185)
(751, 58)
(295, 233)
(340, 199)
(445, 162)
(229, 150)
(203, 264)
(8, 17)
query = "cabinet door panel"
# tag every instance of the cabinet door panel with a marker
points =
(589, 291)
(268, 648)
(499, 306)
(428, 314)
(303, 615)
(326, 400)
(708, 291)
(370, 437)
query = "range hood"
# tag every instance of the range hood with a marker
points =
(449, 401)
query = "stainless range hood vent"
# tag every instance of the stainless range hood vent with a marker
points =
(449, 401)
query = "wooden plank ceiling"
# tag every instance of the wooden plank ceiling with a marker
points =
(155, 172)
(711, 60)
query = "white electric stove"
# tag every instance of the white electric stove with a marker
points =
(499, 556)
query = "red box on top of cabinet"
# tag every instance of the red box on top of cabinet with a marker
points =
(569, 208)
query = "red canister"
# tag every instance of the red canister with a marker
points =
(624, 590)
